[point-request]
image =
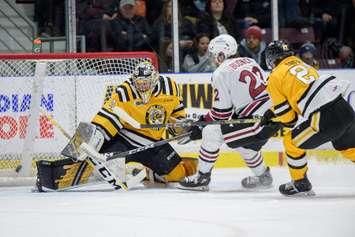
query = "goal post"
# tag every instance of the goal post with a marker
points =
(70, 87)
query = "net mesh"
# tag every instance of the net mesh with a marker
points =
(71, 89)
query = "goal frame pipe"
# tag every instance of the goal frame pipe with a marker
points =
(49, 56)
(26, 155)
(37, 89)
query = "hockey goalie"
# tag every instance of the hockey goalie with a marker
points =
(147, 97)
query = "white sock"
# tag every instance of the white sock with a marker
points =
(207, 160)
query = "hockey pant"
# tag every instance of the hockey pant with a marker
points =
(162, 160)
(247, 139)
(334, 122)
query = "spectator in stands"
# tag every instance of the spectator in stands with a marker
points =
(349, 26)
(153, 10)
(230, 6)
(197, 60)
(215, 21)
(337, 54)
(346, 57)
(141, 8)
(49, 15)
(130, 32)
(253, 46)
(290, 14)
(307, 54)
(192, 9)
(95, 19)
(166, 58)
(326, 18)
(200, 4)
(162, 27)
(253, 12)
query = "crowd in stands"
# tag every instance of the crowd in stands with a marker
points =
(321, 31)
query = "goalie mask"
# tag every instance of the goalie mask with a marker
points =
(144, 79)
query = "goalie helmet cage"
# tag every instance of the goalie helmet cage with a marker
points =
(68, 86)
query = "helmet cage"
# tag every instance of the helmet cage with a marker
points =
(144, 79)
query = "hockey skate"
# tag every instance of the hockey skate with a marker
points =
(300, 187)
(197, 182)
(256, 182)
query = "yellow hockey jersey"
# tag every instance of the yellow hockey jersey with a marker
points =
(164, 103)
(296, 89)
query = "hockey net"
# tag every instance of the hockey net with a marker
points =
(69, 87)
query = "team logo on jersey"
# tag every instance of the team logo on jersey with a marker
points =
(156, 114)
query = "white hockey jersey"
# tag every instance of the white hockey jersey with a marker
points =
(239, 86)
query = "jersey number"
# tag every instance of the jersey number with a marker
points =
(253, 75)
(301, 73)
(216, 95)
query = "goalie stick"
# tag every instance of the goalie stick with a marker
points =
(104, 172)
(116, 155)
(184, 124)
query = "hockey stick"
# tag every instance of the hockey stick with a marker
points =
(189, 123)
(184, 124)
(104, 172)
(115, 155)
(126, 117)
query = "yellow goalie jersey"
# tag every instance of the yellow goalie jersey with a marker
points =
(291, 86)
(165, 103)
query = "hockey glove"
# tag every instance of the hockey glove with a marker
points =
(267, 118)
(196, 131)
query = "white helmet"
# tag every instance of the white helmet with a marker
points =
(222, 47)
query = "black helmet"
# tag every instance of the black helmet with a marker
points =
(275, 52)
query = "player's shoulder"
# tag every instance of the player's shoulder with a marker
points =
(166, 85)
(234, 66)
(126, 92)
(290, 62)
(237, 64)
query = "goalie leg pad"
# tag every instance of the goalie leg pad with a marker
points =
(349, 154)
(61, 174)
(88, 133)
(187, 167)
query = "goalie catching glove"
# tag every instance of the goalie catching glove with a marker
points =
(176, 131)
(85, 133)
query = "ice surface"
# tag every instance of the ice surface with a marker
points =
(227, 210)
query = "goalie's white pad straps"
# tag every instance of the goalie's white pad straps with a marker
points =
(90, 151)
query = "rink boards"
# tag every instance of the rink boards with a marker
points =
(195, 90)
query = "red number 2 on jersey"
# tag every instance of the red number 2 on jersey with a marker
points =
(253, 75)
